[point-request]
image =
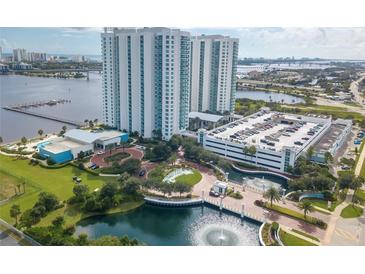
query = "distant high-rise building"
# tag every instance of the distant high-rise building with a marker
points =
(213, 77)
(37, 57)
(146, 80)
(20, 55)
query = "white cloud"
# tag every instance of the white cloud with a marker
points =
(312, 42)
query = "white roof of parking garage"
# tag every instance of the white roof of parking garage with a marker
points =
(266, 125)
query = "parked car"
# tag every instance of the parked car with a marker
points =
(142, 173)
(213, 193)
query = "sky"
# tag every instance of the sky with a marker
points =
(332, 43)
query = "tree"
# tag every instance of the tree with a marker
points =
(82, 240)
(81, 192)
(48, 200)
(1, 140)
(181, 187)
(58, 222)
(328, 158)
(108, 190)
(306, 206)
(91, 124)
(160, 152)
(123, 177)
(23, 140)
(310, 153)
(81, 155)
(157, 134)
(86, 121)
(272, 194)
(356, 183)
(40, 132)
(172, 159)
(15, 212)
(131, 186)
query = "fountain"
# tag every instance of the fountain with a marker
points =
(215, 230)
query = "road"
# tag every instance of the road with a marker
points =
(7, 240)
(254, 82)
(354, 88)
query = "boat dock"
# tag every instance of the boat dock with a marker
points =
(39, 104)
(45, 116)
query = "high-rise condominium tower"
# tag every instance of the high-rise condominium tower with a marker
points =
(146, 80)
(213, 77)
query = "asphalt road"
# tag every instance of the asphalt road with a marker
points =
(6, 240)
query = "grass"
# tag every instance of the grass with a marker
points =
(336, 112)
(296, 215)
(291, 240)
(351, 211)
(190, 179)
(305, 235)
(57, 181)
(117, 157)
(8, 186)
(360, 194)
(318, 202)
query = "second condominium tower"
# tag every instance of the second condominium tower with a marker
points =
(146, 80)
(213, 76)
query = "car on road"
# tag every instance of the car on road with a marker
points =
(142, 173)
(100, 152)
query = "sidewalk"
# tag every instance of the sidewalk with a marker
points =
(249, 197)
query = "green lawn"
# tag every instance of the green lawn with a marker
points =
(360, 194)
(317, 202)
(190, 179)
(291, 240)
(351, 211)
(38, 179)
(297, 215)
(306, 235)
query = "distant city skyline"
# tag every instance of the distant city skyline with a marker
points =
(327, 43)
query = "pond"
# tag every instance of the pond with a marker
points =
(269, 96)
(158, 226)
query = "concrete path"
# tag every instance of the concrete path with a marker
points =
(249, 197)
(360, 162)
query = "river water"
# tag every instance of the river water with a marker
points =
(85, 103)
(85, 96)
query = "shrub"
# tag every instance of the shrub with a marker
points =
(50, 162)
(274, 226)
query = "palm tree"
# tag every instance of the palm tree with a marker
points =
(23, 140)
(15, 212)
(96, 121)
(272, 194)
(64, 128)
(306, 206)
(1, 139)
(40, 132)
(86, 121)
